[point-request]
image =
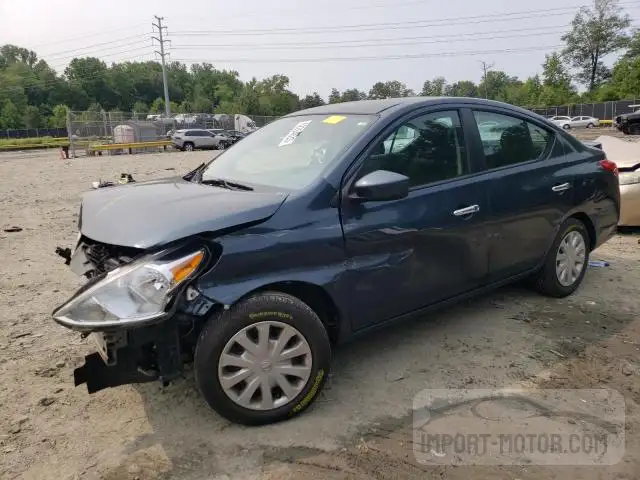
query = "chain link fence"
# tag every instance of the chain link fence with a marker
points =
(89, 128)
(603, 110)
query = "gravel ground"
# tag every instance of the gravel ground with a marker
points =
(360, 427)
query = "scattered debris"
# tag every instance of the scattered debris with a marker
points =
(13, 229)
(21, 334)
(46, 401)
(170, 168)
(558, 354)
(598, 263)
(64, 253)
(395, 377)
(60, 364)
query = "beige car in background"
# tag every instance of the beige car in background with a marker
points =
(627, 156)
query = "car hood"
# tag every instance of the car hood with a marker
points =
(149, 214)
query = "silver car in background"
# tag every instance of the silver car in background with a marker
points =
(192, 139)
(584, 122)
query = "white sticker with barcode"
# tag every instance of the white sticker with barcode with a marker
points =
(293, 134)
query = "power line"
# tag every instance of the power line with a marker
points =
(454, 40)
(342, 42)
(84, 37)
(361, 58)
(521, 15)
(88, 47)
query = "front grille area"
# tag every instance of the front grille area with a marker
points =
(102, 257)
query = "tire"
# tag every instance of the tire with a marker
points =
(188, 147)
(281, 313)
(566, 126)
(548, 281)
(591, 125)
(634, 129)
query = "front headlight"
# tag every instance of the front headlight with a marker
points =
(133, 294)
(628, 178)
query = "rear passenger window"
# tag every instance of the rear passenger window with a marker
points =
(509, 140)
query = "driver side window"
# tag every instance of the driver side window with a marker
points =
(427, 149)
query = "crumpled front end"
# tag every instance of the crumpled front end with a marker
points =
(137, 307)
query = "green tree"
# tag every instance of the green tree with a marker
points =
(464, 88)
(32, 117)
(352, 95)
(334, 96)
(10, 116)
(58, 118)
(157, 106)
(596, 32)
(434, 88)
(140, 108)
(390, 89)
(310, 101)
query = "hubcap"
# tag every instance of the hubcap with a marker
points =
(265, 365)
(570, 258)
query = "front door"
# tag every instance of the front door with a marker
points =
(408, 253)
(530, 189)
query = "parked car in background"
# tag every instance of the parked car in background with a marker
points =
(562, 122)
(627, 157)
(193, 139)
(575, 122)
(584, 122)
(235, 135)
(629, 123)
(222, 139)
(317, 228)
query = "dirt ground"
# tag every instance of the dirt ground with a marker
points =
(360, 427)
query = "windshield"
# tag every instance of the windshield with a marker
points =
(289, 153)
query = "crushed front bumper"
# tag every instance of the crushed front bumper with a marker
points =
(132, 356)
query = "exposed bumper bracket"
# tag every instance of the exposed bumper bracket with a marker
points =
(98, 376)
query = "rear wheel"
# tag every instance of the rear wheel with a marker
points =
(566, 262)
(188, 146)
(264, 360)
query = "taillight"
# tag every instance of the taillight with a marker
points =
(609, 166)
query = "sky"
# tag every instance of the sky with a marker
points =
(319, 45)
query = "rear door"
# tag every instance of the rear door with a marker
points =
(530, 189)
(408, 253)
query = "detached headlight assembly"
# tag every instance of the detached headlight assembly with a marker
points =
(129, 295)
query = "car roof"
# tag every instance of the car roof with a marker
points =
(389, 105)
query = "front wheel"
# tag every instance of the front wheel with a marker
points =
(264, 360)
(591, 125)
(566, 126)
(188, 147)
(566, 262)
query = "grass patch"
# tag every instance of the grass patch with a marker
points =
(31, 142)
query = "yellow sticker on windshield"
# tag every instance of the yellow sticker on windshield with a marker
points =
(333, 119)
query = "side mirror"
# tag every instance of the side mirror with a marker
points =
(380, 186)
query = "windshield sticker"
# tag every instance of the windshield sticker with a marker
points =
(333, 119)
(293, 134)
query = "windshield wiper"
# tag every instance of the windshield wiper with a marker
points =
(220, 182)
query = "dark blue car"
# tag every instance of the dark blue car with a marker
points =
(321, 226)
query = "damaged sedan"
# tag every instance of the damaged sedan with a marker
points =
(322, 226)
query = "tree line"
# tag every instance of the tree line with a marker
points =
(34, 95)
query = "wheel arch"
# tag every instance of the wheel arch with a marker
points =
(315, 296)
(588, 223)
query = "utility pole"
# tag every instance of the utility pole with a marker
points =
(161, 40)
(485, 67)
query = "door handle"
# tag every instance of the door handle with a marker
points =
(463, 212)
(562, 187)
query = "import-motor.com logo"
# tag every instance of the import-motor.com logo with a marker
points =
(518, 427)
